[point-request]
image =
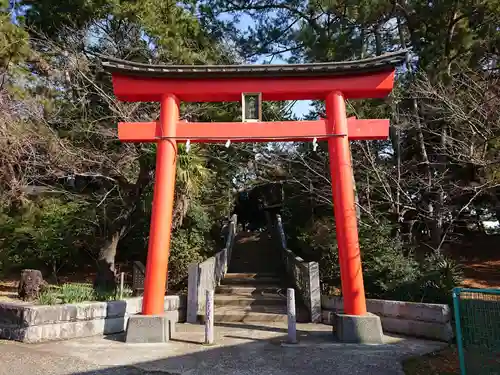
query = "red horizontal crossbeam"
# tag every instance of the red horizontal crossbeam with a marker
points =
(148, 89)
(218, 132)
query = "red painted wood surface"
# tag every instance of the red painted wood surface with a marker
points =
(286, 131)
(147, 89)
(162, 211)
(344, 208)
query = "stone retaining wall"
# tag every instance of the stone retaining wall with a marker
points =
(38, 323)
(207, 275)
(305, 276)
(425, 320)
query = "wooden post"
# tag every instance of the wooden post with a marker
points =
(292, 316)
(209, 318)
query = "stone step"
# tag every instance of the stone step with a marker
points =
(250, 256)
(242, 275)
(269, 309)
(248, 317)
(250, 279)
(262, 260)
(245, 300)
(246, 265)
(256, 314)
(250, 290)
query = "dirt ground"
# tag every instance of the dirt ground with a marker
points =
(480, 258)
(444, 362)
(482, 274)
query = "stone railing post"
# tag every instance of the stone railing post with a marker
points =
(209, 318)
(292, 316)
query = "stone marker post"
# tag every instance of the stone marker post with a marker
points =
(292, 316)
(209, 318)
(122, 281)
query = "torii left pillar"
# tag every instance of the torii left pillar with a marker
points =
(153, 317)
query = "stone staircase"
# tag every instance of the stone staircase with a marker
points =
(254, 288)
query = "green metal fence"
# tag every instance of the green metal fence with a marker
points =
(477, 320)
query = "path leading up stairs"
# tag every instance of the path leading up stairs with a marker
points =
(254, 288)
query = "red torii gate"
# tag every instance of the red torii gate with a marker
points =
(333, 82)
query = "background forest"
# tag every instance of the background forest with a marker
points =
(73, 198)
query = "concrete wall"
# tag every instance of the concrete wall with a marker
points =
(426, 320)
(38, 323)
(207, 275)
(305, 276)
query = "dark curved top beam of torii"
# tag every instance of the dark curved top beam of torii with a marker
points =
(366, 78)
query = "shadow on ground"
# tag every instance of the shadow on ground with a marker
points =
(243, 349)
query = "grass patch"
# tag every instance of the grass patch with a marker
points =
(77, 293)
(48, 296)
(443, 362)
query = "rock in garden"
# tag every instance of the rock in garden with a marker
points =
(30, 285)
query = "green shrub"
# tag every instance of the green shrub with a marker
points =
(191, 243)
(385, 265)
(48, 296)
(127, 293)
(44, 234)
(438, 276)
(75, 293)
(106, 295)
(389, 271)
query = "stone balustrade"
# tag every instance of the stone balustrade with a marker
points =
(207, 275)
(38, 323)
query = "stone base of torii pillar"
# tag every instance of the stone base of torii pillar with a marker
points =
(149, 329)
(356, 329)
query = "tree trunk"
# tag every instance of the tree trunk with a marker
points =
(356, 196)
(378, 39)
(437, 234)
(427, 201)
(181, 208)
(106, 271)
(105, 277)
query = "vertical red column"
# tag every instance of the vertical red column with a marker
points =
(353, 290)
(161, 216)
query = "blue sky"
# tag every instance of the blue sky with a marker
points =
(301, 107)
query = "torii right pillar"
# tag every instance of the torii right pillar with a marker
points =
(355, 324)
